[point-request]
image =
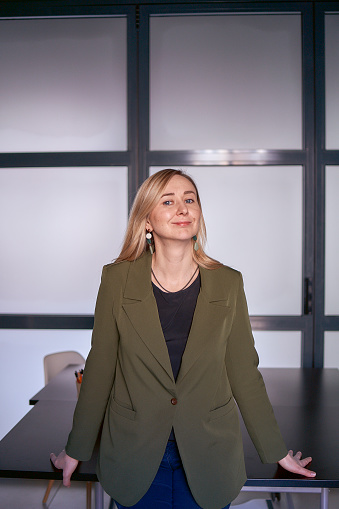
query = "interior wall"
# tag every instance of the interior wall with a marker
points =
(63, 88)
(216, 82)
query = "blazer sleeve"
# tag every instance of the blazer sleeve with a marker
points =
(98, 376)
(248, 386)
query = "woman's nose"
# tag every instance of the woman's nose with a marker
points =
(182, 208)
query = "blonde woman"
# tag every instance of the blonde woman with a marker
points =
(172, 353)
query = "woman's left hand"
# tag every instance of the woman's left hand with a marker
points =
(296, 465)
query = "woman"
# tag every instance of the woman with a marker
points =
(172, 350)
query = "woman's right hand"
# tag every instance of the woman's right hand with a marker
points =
(66, 464)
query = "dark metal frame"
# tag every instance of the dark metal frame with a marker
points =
(34, 10)
(138, 158)
(40, 10)
(229, 157)
(324, 158)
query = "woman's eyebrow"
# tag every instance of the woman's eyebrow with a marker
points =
(172, 194)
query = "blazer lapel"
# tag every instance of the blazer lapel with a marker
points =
(210, 311)
(141, 308)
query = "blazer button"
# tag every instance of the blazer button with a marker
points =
(174, 401)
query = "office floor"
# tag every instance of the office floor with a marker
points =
(28, 494)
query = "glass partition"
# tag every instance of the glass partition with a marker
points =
(278, 349)
(331, 241)
(58, 227)
(331, 80)
(225, 81)
(254, 224)
(331, 349)
(63, 85)
(23, 374)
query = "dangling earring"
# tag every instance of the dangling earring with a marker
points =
(149, 242)
(196, 245)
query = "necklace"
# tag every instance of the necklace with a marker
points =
(183, 288)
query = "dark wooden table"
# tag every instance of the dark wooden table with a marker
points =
(305, 401)
(60, 388)
(306, 405)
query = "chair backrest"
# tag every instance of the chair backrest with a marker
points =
(56, 362)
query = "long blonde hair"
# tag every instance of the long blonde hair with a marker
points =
(146, 199)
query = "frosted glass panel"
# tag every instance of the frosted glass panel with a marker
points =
(63, 85)
(22, 351)
(331, 349)
(226, 82)
(332, 80)
(278, 349)
(254, 224)
(332, 241)
(58, 226)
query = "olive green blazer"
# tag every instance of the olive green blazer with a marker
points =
(128, 389)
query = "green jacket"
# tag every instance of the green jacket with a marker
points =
(128, 388)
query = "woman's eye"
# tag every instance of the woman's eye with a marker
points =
(189, 200)
(167, 202)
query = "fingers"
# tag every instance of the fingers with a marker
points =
(305, 461)
(69, 468)
(294, 463)
(55, 460)
(299, 469)
(308, 473)
(297, 457)
(66, 463)
(66, 479)
(58, 462)
(302, 462)
(304, 471)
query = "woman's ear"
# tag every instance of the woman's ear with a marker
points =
(148, 226)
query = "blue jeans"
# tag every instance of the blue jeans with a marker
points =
(169, 490)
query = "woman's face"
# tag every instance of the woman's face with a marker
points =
(177, 215)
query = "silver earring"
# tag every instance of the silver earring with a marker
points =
(149, 242)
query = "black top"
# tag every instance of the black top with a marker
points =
(176, 310)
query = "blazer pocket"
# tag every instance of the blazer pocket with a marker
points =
(222, 304)
(222, 410)
(121, 410)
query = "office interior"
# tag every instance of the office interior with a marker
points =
(97, 96)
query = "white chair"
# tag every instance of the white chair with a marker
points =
(53, 364)
(56, 362)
